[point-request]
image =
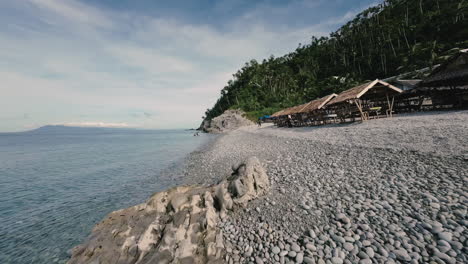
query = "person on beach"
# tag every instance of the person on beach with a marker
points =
(289, 121)
(259, 122)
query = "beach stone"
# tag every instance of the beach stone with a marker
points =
(248, 252)
(312, 233)
(295, 247)
(365, 261)
(348, 246)
(310, 247)
(275, 250)
(383, 252)
(338, 239)
(366, 243)
(363, 255)
(336, 260)
(401, 254)
(370, 252)
(299, 257)
(258, 260)
(447, 236)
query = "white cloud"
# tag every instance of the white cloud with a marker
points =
(347, 16)
(73, 11)
(86, 64)
(150, 60)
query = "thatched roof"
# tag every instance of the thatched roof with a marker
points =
(454, 72)
(283, 112)
(307, 107)
(295, 109)
(371, 88)
(318, 103)
(279, 113)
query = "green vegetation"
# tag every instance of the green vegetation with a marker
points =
(394, 37)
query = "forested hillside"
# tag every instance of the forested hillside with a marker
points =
(394, 37)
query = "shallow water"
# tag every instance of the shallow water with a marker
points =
(55, 186)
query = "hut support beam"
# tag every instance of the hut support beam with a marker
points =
(390, 106)
(359, 106)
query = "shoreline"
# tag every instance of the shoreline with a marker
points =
(342, 193)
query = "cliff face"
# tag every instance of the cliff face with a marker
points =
(228, 121)
(175, 226)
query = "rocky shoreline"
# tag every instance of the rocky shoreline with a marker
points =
(179, 225)
(384, 191)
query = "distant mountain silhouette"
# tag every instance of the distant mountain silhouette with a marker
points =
(60, 129)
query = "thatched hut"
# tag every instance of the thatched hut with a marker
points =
(276, 117)
(282, 117)
(410, 99)
(364, 101)
(294, 115)
(314, 112)
(277, 114)
(447, 85)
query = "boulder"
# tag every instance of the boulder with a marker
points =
(179, 225)
(228, 121)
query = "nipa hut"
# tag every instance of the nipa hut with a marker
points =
(311, 113)
(295, 116)
(364, 101)
(447, 85)
(280, 118)
(315, 113)
(410, 99)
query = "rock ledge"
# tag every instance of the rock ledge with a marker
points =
(179, 225)
(228, 121)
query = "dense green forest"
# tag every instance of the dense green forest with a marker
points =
(394, 37)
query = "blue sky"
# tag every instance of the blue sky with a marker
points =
(141, 63)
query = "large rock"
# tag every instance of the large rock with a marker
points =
(174, 226)
(228, 121)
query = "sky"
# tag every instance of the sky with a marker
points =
(141, 63)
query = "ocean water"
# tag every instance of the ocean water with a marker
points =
(57, 183)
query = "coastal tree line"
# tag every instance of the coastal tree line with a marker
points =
(394, 37)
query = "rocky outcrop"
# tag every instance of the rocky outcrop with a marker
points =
(175, 226)
(228, 121)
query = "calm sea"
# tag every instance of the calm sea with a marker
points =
(57, 183)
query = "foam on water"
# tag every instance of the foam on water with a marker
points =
(56, 185)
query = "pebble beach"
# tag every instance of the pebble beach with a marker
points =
(390, 190)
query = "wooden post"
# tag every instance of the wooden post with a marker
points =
(390, 105)
(363, 117)
(391, 108)
(388, 102)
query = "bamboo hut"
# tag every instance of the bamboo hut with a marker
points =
(314, 111)
(365, 101)
(277, 114)
(410, 99)
(282, 118)
(447, 85)
(276, 117)
(294, 114)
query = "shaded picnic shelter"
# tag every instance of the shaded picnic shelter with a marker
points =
(372, 99)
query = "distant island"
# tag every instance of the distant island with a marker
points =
(59, 129)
